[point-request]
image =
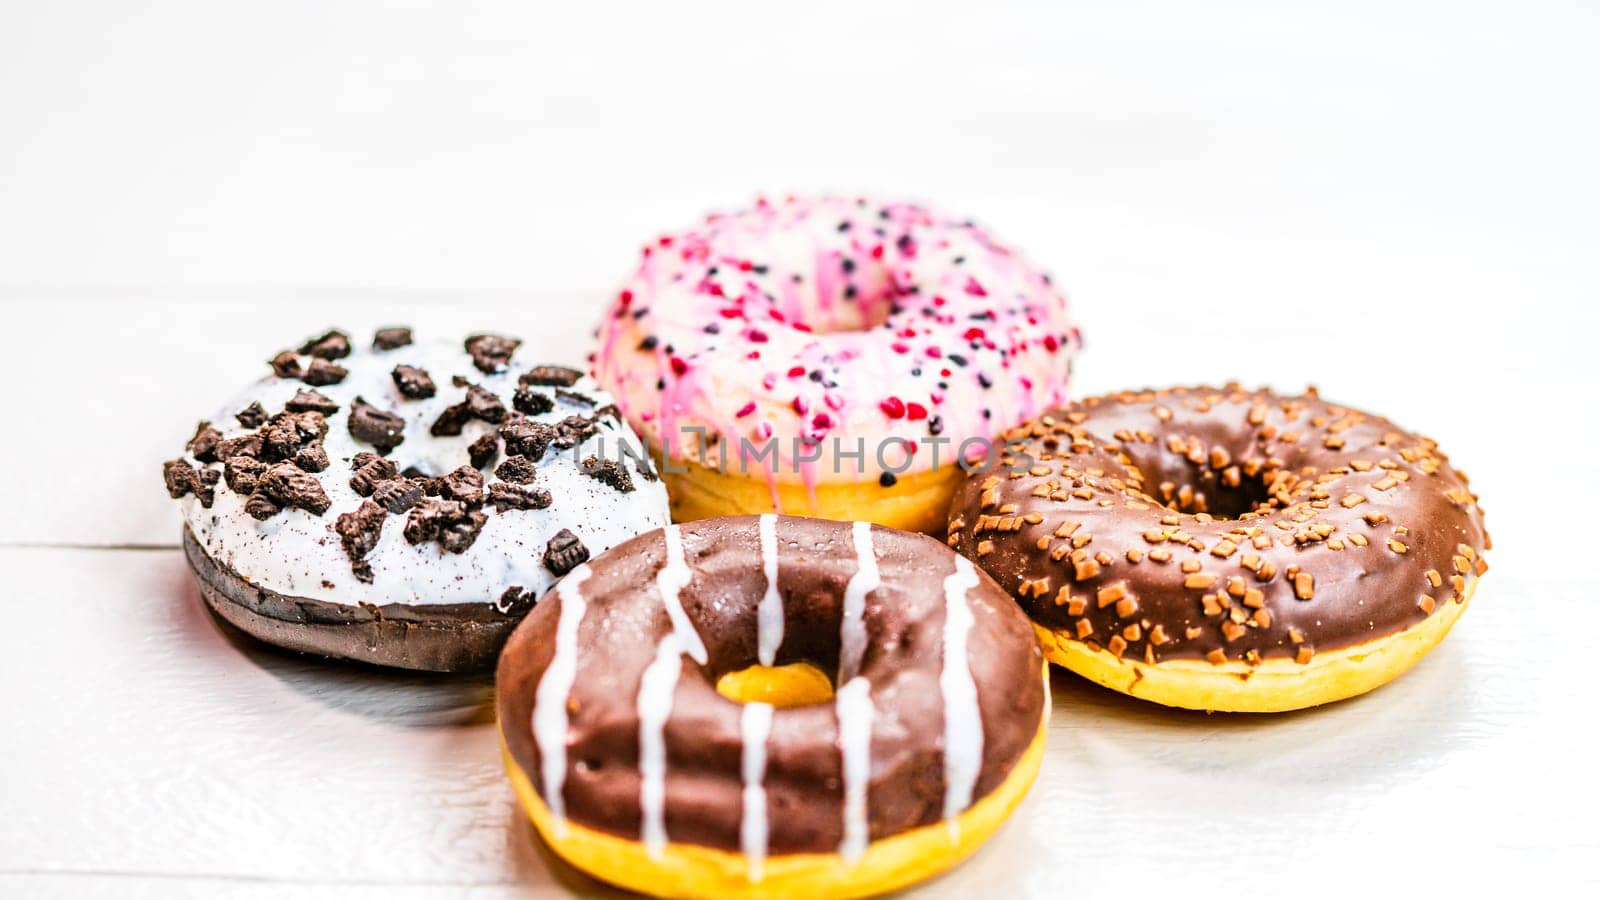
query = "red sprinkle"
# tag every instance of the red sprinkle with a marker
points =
(893, 407)
(973, 334)
(916, 411)
(1050, 343)
(625, 297)
(756, 335)
(745, 410)
(801, 405)
(899, 347)
(797, 371)
(679, 366)
(728, 312)
(974, 288)
(933, 353)
(822, 420)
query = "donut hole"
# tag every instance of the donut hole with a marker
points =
(845, 294)
(791, 684)
(1191, 489)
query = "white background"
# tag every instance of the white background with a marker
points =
(1394, 201)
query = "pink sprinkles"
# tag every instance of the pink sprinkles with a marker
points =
(905, 317)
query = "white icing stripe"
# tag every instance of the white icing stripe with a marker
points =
(674, 577)
(550, 698)
(853, 704)
(769, 615)
(963, 724)
(755, 723)
(655, 707)
(852, 631)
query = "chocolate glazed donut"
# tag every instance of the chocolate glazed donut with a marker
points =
(636, 768)
(1225, 549)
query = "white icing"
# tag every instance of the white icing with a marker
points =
(853, 705)
(655, 707)
(672, 579)
(297, 553)
(769, 614)
(963, 726)
(550, 699)
(852, 630)
(755, 723)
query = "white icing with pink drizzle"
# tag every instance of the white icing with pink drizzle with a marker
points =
(821, 318)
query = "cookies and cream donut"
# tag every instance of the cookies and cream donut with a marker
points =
(831, 357)
(1226, 549)
(403, 503)
(771, 706)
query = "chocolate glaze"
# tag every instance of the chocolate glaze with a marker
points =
(1293, 525)
(438, 637)
(626, 619)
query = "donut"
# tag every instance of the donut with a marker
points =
(405, 503)
(771, 706)
(830, 357)
(1225, 549)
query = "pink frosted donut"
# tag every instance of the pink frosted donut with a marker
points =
(832, 357)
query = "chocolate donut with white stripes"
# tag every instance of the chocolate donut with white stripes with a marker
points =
(638, 764)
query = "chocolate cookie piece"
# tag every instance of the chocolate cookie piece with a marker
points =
(283, 486)
(321, 373)
(515, 601)
(381, 429)
(311, 400)
(312, 458)
(180, 477)
(482, 452)
(526, 438)
(332, 345)
(241, 473)
(516, 469)
(506, 496)
(608, 472)
(479, 403)
(564, 552)
(550, 376)
(252, 416)
(391, 338)
(203, 446)
(359, 532)
(491, 353)
(529, 401)
(449, 522)
(286, 365)
(414, 383)
(398, 494)
(367, 470)
(464, 484)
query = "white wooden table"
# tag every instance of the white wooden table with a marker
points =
(1394, 201)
